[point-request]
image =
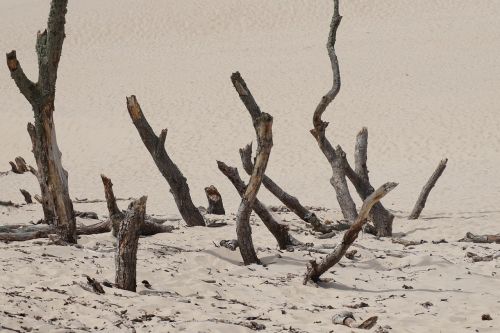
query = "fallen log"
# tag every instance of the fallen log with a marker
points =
(470, 237)
(426, 190)
(314, 269)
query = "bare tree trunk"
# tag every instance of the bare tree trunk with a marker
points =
(116, 216)
(53, 179)
(128, 241)
(279, 230)
(156, 147)
(215, 205)
(315, 270)
(262, 123)
(426, 190)
(288, 200)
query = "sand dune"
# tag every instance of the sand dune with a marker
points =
(421, 75)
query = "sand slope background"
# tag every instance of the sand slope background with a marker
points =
(421, 75)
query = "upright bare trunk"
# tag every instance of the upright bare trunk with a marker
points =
(156, 147)
(53, 179)
(128, 241)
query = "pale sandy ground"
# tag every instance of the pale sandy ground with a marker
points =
(421, 75)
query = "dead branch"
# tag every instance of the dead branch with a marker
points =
(27, 196)
(215, 205)
(288, 200)
(19, 165)
(315, 270)
(128, 241)
(426, 190)
(347, 318)
(406, 242)
(470, 237)
(156, 147)
(8, 204)
(279, 230)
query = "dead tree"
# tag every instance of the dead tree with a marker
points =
(176, 180)
(215, 205)
(27, 196)
(314, 269)
(337, 157)
(116, 216)
(422, 198)
(288, 200)
(278, 230)
(53, 179)
(128, 241)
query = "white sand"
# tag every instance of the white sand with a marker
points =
(421, 75)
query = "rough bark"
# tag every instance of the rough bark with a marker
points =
(314, 269)
(53, 179)
(27, 196)
(288, 200)
(215, 205)
(262, 123)
(128, 241)
(176, 180)
(115, 214)
(279, 230)
(426, 190)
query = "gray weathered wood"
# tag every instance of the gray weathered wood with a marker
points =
(314, 269)
(53, 179)
(176, 180)
(426, 190)
(128, 241)
(215, 205)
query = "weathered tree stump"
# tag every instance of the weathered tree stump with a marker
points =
(426, 190)
(215, 205)
(156, 147)
(126, 249)
(27, 196)
(314, 269)
(53, 179)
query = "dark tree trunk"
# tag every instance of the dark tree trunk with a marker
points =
(426, 190)
(314, 269)
(53, 179)
(279, 230)
(262, 123)
(156, 147)
(128, 240)
(215, 205)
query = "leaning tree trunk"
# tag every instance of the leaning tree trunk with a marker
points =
(128, 241)
(53, 179)
(156, 147)
(262, 123)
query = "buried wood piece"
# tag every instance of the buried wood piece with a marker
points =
(8, 204)
(347, 318)
(215, 205)
(126, 249)
(231, 244)
(314, 269)
(279, 230)
(27, 196)
(470, 237)
(19, 165)
(156, 147)
(262, 123)
(288, 200)
(426, 190)
(53, 179)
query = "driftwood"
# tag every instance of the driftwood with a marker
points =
(19, 166)
(128, 241)
(470, 237)
(176, 180)
(314, 269)
(53, 179)
(27, 196)
(347, 318)
(8, 204)
(279, 230)
(262, 123)
(231, 244)
(341, 169)
(422, 198)
(288, 200)
(215, 205)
